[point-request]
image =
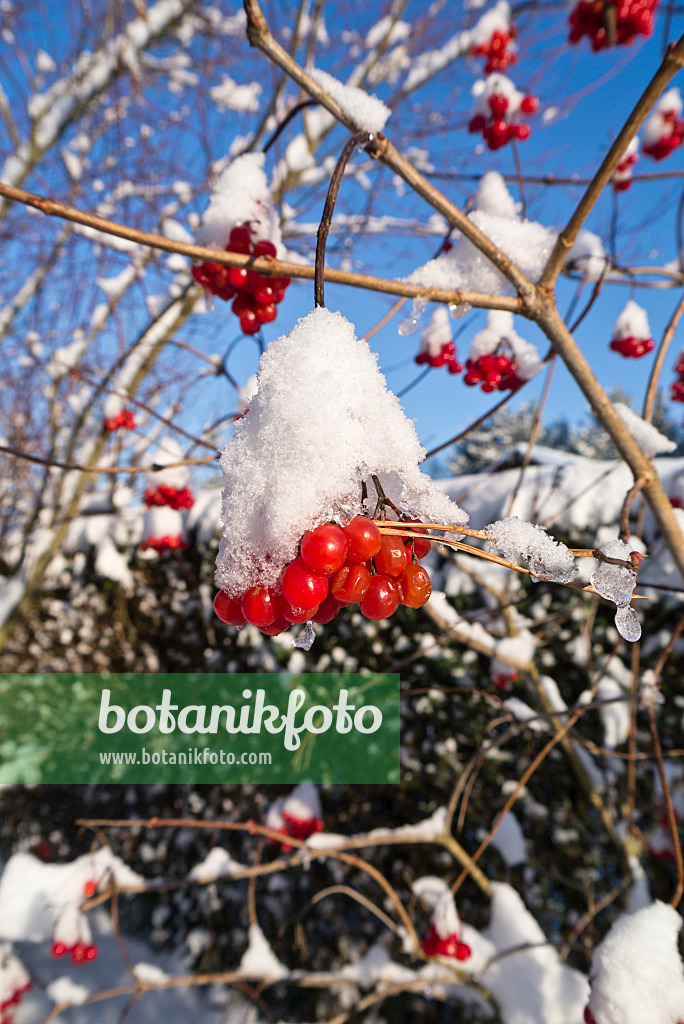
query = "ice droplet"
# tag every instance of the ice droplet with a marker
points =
(306, 637)
(419, 304)
(627, 623)
(457, 310)
(614, 583)
(410, 325)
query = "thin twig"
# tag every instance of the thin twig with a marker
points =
(671, 816)
(668, 336)
(324, 227)
(201, 460)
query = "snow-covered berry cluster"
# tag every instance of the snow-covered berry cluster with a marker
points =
(436, 347)
(664, 127)
(632, 334)
(622, 176)
(494, 38)
(72, 937)
(500, 360)
(241, 218)
(591, 18)
(166, 493)
(337, 566)
(444, 935)
(503, 678)
(254, 295)
(14, 984)
(677, 388)
(297, 816)
(497, 111)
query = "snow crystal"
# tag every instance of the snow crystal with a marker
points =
(615, 712)
(632, 322)
(150, 974)
(637, 971)
(526, 242)
(627, 624)
(368, 112)
(532, 986)
(648, 437)
(549, 559)
(216, 864)
(493, 196)
(510, 841)
(66, 992)
(614, 582)
(321, 422)
(588, 255)
(656, 124)
(259, 960)
(499, 334)
(231, 96)
(168, 452)
(241, 195)
(376, 966)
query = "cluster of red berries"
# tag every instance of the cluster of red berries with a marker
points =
(175, 497)
(165, 543)
(672, 137)
(622, 177)
(254, 297)
(123, 420)
(632, 18)
(495, 129)
(497, 50)
(436, 945)
(631, 347)
(677, 389)
(445, 357)
(493, 372)
(337, 566)
(81, 952)
(297, 828)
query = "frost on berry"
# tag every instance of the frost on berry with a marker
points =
(498, 111)
(493, 37)
(548, 559)
(664, 127)
(632, 334)
(637, 972)
(500, 360)
(14, 981)
(321, 423)
(622, 175)
(616, 583)
(297, 816)
(241, 195)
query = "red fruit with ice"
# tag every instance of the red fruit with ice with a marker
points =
(497, 111)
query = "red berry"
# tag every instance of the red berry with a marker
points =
(90, 952)
(59, 949)
(248, 322)
(240, 240)
(78, 953)
(229, 609)
(463, 951)
(324, 549)
(327, 610)
(391, 559)
(381, 599)
(498, 104)
(529, 104)
(364, 539)
(264, 294)
(265, 248)
(302, 587)
(277, 627)
(260, 606)
(298, 615)
(421, 546)
(414, 586)
(266, 314)
(351, 583)
(237, 276)
(90, 888)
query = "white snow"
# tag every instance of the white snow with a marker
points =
(445, 917)
(367, 112)
(321, 422)
(150, 974)
(217, 864)
(548, 559)
(636, 974)
(492, 195)
(632, 322)
(496, 19)
(162, 521)
(259, 960)
(241, 195)
(588, 255)
(648, 437)
(500, 85)
(303, 803)
(532, 986)
(168, 452)
(499, 333)
(66, 992)
(229, 95)
(510, 841)
(437, 334)
(376, 966)
(615, 713)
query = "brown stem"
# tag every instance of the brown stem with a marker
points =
(326, 220)
(672, 62)
(637, 488)
(671, 817)
(154, 468)
(651, 390)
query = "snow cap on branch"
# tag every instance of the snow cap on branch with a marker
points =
(548, 559)
(648, 437)
(492, 196)
(368, 112)
(241, 196)
(321, 422)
